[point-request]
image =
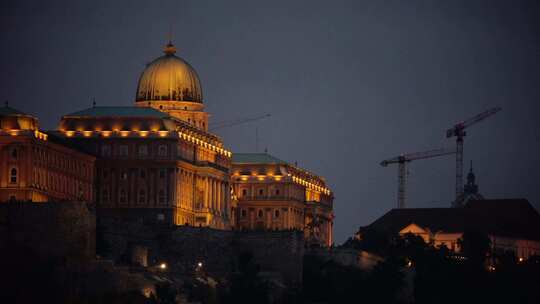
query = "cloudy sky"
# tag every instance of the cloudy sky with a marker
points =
(348, 83)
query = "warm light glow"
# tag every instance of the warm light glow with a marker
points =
(163, 133)
(70, 133)
(143, 133)
(124, 133)
(106, 133)
(87, 133)
(163, 266)
(199, 264)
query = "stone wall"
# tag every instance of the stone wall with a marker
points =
(182, 248)
(274, 251)
(58, 230)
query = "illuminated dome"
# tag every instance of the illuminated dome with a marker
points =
(169, 78)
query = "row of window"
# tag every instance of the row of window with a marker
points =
(142, 150)
(60, 161)
(142, 174)
(141, 196)
(260, 192)
(260, 213)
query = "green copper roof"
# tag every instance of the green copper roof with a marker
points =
(256, 158)
(119, 112)
(6, 110)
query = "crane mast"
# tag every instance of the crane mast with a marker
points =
(402, 160)
(458, 130)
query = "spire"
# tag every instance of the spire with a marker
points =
(471, 187)
(170, 49)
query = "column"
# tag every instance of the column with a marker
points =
(206, 192)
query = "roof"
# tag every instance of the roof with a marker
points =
(436, 219)
(256, 158)
(119, 112)
(7, 110)
(515, 218)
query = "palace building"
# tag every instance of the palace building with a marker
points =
(273, 194)
(37, 167)
(156, 161)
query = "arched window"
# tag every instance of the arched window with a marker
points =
(243, 213)
(277, 192)
(14, 153)
(13, 176)
(276, 213)
(162, 150)
(260, 214)
(261, 192)
(244, 192)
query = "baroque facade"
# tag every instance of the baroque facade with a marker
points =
(273, 194)
(38, 167)
(156, 161)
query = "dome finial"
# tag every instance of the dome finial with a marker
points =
(169, 49)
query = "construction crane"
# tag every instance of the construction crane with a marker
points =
(234, 122)
(458, 130)
(402, 171)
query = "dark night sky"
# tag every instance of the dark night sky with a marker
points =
(348, 83)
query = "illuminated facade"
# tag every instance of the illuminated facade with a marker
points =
(155, 160)
(36, 167)
(275, 195)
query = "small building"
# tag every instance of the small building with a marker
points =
(37, 166)
(275, 195)
(511, 224)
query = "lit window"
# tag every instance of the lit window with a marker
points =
(13, 176)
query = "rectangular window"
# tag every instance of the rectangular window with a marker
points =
(143, 151)
(106, 150)
(123, 150)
